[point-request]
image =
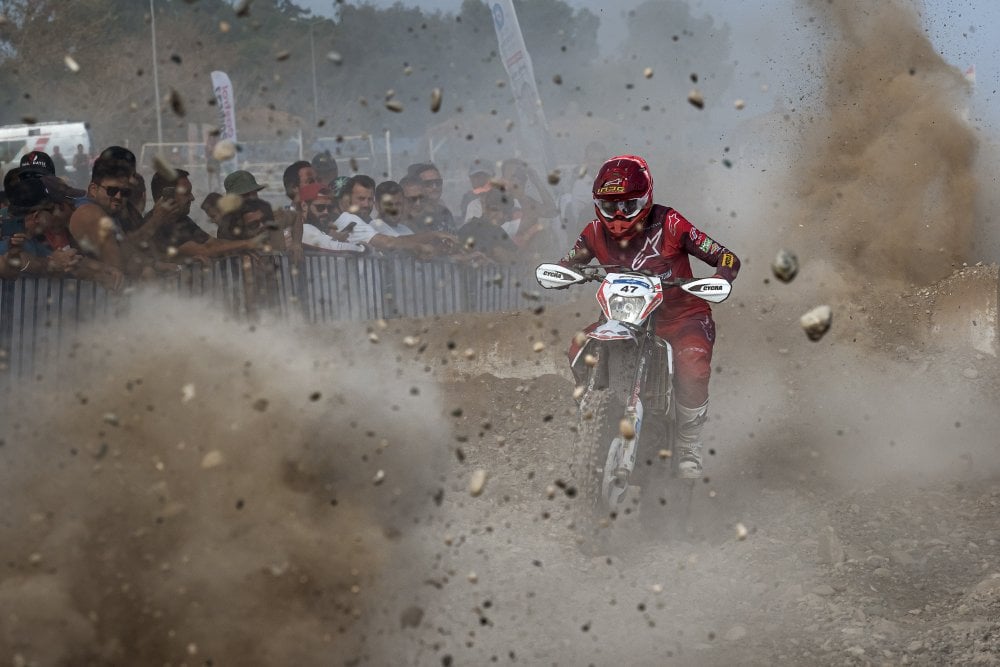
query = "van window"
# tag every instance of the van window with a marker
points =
(9, 148)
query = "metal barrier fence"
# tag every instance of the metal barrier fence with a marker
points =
(38, 316)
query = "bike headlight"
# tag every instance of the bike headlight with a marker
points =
(625, 308)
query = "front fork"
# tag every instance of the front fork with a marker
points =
(622, 453)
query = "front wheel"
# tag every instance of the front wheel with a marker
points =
(590, 453)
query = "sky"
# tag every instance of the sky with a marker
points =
(966, 32)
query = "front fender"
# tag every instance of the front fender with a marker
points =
(612, 330)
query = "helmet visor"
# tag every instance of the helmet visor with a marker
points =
(626, 208)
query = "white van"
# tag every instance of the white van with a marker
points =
(18, 140)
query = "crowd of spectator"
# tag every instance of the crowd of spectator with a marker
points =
(114, 230)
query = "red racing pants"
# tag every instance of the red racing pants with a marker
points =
(692, 338)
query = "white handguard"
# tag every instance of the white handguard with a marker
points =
(714, 290)
(555, 276)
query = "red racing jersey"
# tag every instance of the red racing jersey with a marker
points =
(664, 248)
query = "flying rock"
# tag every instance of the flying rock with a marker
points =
(785, 265)
(816, 322)
(696, 99)
(477, 482)
(224, 150)
(435, 100)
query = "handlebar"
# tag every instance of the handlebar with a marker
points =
(593, 272)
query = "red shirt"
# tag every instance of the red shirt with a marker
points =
(663, 247)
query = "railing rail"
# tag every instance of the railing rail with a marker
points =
(38, 316)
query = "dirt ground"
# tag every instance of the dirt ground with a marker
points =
(327, 519)
(865, 473)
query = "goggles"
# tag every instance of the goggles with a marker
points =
(626, 208)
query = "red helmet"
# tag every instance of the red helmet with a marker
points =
(623, 195)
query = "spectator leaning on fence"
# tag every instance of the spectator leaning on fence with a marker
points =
(437, 216)
(486, 234)
(297, 175)
(318, 233)
(34, 238)
(243, 184)
(357, 198)
(95, 224)
(130, 218)
(179, 235)
(385, 236)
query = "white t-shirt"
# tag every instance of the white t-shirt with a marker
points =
(362, 232)
(382, 227)
(312, 236)
(475, 210)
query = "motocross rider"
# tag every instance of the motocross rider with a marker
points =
(631, 231)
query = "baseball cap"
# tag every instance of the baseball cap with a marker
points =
(58, 188)
(25, 190)
(480, 167)
(324, 163)
(314, 191)
(39, 160)
(241, 182)
(338, 185)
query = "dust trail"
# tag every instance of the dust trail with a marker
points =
(888, 178)
(193, 490)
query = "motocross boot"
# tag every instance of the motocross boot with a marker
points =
(689, 424)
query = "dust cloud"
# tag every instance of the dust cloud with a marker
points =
(191, 490)
(888, 168)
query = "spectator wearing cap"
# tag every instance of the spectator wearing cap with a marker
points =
(179, 235)
(316, 208)
(29, 216)
(326, 168)
(437, 216)
(34, 238)
(39, 160)
(242, 183)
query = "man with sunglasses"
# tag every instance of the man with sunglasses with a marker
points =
(96, 224)
(317, 210)
(437, 216)
(34, 239)
(633, 232)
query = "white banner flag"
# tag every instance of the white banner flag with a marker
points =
(225, 100)
(522, 80)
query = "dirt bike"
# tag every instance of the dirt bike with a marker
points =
(624, 373)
